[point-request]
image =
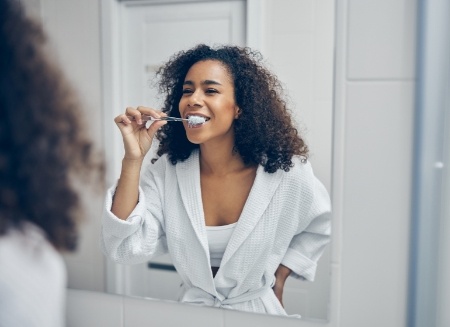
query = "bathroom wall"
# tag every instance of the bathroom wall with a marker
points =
(373, 129)
(298, 45)
(374, 109)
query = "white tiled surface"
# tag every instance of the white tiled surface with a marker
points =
(244, 319)
(296, 301)
(381, 39)
(377, 201)
(84, 275)
(92, 309)
(162, 284)
(374, 111)
(139, 312)
(335, 304)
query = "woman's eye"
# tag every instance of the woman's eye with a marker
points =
(211, 91)
(187, 91)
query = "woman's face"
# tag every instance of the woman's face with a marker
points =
(208, 91)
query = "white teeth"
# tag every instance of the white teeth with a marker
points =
(196, 120)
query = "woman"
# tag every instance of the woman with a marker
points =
(42, 147)
(233, 200)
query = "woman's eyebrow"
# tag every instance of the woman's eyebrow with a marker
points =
(210, 82)
(205, 82)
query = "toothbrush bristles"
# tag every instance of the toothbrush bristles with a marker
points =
(196, 120)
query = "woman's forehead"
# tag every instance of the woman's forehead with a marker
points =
(209, 70)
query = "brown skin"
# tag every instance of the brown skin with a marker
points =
(137, 140)
(224, 196)
(281, 275)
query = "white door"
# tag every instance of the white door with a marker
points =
(150, 35)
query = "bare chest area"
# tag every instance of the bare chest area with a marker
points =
(224, 197)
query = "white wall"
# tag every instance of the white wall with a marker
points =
(375, 93)
(443, 298)
(297, 42)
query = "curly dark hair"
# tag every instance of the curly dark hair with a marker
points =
(42, 145)
(264, 132)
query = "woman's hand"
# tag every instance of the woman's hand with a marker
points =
(281, 275)
(137, 138)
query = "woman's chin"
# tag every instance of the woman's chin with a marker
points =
(194, 140)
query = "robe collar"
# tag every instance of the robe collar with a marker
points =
(261, 193)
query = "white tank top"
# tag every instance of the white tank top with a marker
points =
(218, 238)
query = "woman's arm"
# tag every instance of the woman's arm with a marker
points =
(137, 140)
(142, 234)
(281, 275)
(127, 192)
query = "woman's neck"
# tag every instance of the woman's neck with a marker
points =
(219, 160)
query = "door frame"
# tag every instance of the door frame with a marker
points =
(110, 47)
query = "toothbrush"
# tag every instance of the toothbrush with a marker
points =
(192, 120)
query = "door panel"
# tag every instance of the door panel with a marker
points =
(154, 33)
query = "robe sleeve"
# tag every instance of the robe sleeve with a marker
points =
(309, 243)
(142, 235)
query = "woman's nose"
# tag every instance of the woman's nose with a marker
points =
(195, 100)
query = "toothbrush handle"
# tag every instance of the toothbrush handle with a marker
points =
(148, 118)
(169, 119)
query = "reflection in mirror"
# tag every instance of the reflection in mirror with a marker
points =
(295, 39)
(310, 101)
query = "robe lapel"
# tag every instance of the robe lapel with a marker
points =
(188, 175)
(262, 191)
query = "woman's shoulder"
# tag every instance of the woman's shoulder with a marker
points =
(27, 255)
(29, 244)
(301, 173)
(301, 165)
(302, 181)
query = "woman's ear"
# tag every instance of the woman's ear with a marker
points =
(237, 112)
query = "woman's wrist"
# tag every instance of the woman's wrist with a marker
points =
(131, 170)
(282, 273)
(131, 165)
(133, 161)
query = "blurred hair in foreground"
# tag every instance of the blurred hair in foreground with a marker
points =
(43, 146)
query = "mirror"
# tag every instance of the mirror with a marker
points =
(124, 42)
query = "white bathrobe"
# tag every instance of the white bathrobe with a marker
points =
(33, 279)
(286, 220)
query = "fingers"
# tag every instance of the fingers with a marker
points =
(154, 126)
(134, 115)
(141, 110)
